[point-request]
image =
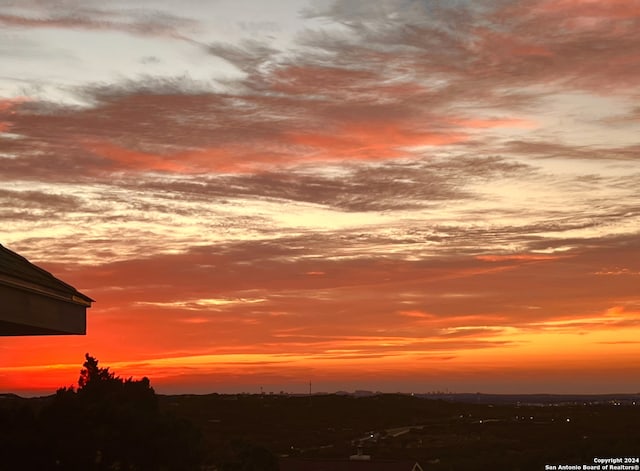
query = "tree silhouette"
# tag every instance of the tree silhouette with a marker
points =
(107, 423)
(92, 375)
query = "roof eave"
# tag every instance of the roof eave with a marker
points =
(77, 297)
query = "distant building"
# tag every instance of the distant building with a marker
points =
(295, 464)
(34, 302)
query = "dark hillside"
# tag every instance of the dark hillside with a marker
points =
(441, 434)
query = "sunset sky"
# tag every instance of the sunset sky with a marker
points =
(394, 195)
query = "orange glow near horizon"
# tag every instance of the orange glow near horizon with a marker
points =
(441, 323)
(545, 348)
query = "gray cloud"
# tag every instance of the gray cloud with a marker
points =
(39, 199)
(78, 15)
(358, 187)
(551, 150)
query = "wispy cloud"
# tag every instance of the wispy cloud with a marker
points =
(78, 15)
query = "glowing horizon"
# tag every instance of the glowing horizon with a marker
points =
(395, 196)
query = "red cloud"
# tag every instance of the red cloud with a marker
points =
(580, 44)
(369, 141)
(7, 109)
(495, 123)
(519, 257)
(124, 159)
(7, 104)
(611, 9)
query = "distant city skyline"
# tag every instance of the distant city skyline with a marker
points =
(393, 195)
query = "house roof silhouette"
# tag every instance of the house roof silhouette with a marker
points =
(34, 302)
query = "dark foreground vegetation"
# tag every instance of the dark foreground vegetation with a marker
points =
(440, 435)
(109, 423)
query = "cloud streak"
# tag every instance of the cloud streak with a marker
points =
(79, 16)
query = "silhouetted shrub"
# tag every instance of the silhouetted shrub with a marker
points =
(106, 424)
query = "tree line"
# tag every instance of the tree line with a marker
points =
(106, 423)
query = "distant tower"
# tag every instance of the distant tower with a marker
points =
(309, 388)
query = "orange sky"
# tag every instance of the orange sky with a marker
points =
(393, 196)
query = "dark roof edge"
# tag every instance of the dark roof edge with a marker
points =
(34, 286)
